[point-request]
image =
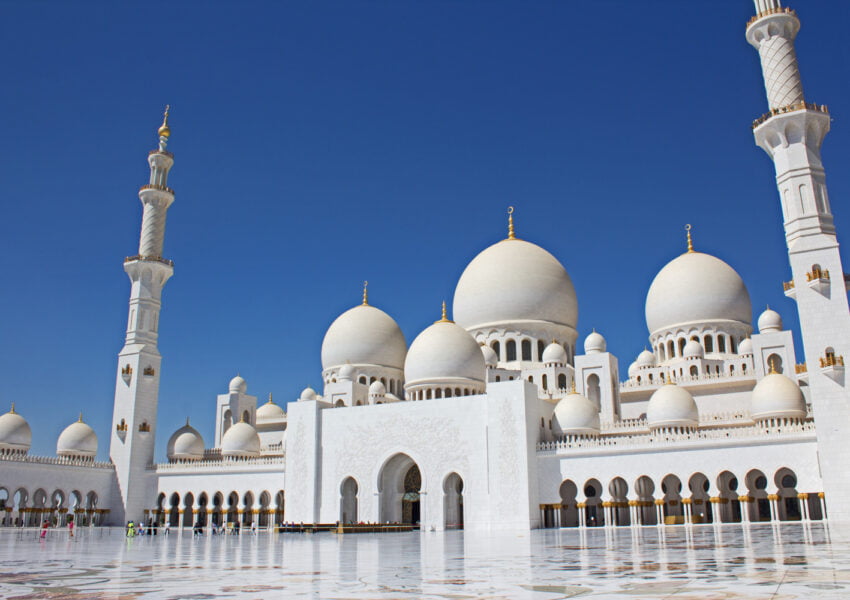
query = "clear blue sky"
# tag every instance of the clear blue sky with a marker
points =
(319, 144)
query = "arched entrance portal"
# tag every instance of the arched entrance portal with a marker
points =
(348, 501)
(453, 501)
(399, 484)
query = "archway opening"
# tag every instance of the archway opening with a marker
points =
(453, 501)
(399, 484)
(569, 505)
(348, 501)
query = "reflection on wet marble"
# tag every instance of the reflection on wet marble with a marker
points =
(703, 562)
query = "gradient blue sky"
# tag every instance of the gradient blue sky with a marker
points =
(319, 144)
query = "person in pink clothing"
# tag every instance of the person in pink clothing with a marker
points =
(44, 525)
(70, 527)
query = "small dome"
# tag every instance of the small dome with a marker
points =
(554, 354)
(346, 372)
(307, 393)
(576, 415)
(514, 281)
(693, 349)
(77, 440)
(238, 385)
(594, 343)
(490, 358)
(185, 444)
(777, 397)
(240, 440)
(769, 321)
(633, 369)
(377, 389)
(15, 432)
(444, 352)
(745, 347)
(672, 406)
(270, 412)
(696, 288)
(645, 359)
(364, 335)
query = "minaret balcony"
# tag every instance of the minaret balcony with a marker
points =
(833, 367)
(149, 258)
(789, 288)
(818, 279)
(821, 108)
(772, 11)
(160, 188)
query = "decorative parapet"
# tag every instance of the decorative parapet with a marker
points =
(684, 379)
(801, 368)
(788, 285)
(821, 108)
(816, 274)
(160, 188)
(55, 460)
(831, 360)
(234, 463)
(648, 439)
(772, 11)
(150, 258)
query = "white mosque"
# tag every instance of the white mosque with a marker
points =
(500, 419)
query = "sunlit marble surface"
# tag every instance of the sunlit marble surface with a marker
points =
(701, 562)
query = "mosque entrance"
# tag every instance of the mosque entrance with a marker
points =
(399, 486)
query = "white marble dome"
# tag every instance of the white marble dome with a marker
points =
(364, 335)
(633, 369)
(696, 288)
(185, 444)
(238, 385)
(554, 353)
(594, 343)
(693, 349)
(15, 433)
(490, 357)
(514, 281)
(377, 388)
(769, 321)
(270, 412)
(241, 440)
(77, 440)
(307, 394)
(672, 406)
(777, 397)
(645, 359)
(444, 352)
(346, 372)
(576, 415)
(746, 346)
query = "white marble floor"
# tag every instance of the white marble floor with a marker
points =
(703, 562)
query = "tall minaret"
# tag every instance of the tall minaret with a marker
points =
(792, 134)
(131, 445)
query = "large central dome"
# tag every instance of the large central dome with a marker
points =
(513, 281)
(364, 335)
(696, 288)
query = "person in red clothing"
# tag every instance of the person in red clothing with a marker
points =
(44, 525)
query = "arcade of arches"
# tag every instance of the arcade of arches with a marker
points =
(674, 501)
(20, 509)
(219, 508)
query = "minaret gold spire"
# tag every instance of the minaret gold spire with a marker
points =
(365, 293)
(690, 241)
(511, 235)
(164, 131)
(270, 399)
(80, 420)
(12, 410)
(187, 421)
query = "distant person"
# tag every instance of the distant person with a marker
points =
(131, 529)
(167, 529)
(70, 527)
(253, 527)
(44, 525)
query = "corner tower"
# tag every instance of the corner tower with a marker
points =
(792, 134)
(131, 446)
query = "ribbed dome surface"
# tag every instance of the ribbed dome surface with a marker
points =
(696, 288)
(364, 335)
(514, 281)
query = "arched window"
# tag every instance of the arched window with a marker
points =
(774, 361)
(694, 371)
(510, 350)
(540, 348)
(671, 349)
(721, 343)
(545, 382)
(428, 394)
(708, 343)
(731, 369)
(562, 382)
(497, 349)
(733, 345)
(438, 393)
(531, 379)
(743, 367)
(448, 392)
(594, 393)
(682, 343)
(650, 376)
(526, 349)
(498, 378)
(362, 380)
(457, 392)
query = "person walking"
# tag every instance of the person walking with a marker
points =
(44, 525)
(131, 529)
(71, 527)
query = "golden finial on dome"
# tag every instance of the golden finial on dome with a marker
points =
(80, 420)
(164, 131)
(444, 317)
(690, 242)
(270, 399)
(772, 367)
(365, 293)
(12, 410)
(573, 386)
(187, 421)
(511, 235)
